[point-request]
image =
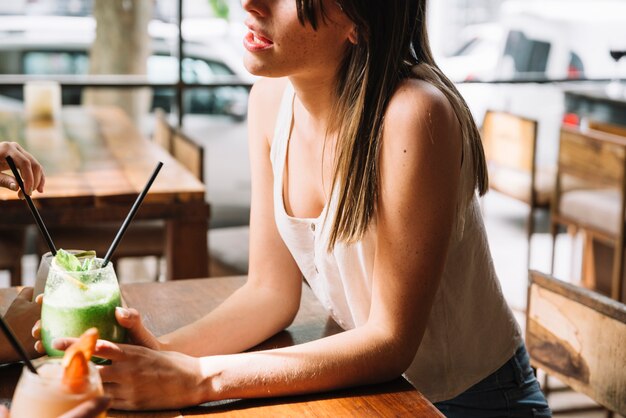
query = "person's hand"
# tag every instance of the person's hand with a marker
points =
(137, 333)
(141, 378)
(21, 315)
(127, 317)
(88, 409)
(36, 330)
(30, 169)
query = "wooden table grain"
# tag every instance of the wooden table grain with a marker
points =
(170, 305)
(96, 163)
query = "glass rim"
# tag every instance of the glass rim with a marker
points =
(48, 254)
(56, 268)
(93, 378)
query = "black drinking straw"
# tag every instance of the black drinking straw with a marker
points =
(16, 344)
(131, 215)
(32, 207)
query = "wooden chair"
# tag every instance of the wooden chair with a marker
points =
(510, 144)
(11, 252)
(598, 209)
(578, 336)
(609, 128)
(598, 256)
(189, 153)
(143, 238)
(162, 134)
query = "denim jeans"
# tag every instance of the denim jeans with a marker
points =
(511, 391)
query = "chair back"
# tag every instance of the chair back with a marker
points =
(597, 160)
(593, 156)
(578, 336)
(509, 140)
(189, 153)
(608, 128)
(162, 134)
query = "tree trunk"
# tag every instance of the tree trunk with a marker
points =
(121, 46)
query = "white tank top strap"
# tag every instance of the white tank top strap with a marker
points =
(281, 130)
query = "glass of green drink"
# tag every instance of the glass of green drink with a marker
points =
(78, 297)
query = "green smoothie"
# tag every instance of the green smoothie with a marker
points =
(75, 301)
(71, 320)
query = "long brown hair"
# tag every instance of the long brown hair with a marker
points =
(392, 46)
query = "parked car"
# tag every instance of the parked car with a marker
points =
(559, 39)
(59, 45)
(477, 54)
(537, 40)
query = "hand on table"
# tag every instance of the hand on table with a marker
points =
(142, 378)
(88, 409)
(21, 314)
(29, 168)
(130, 319)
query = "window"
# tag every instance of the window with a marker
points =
(528, 55)
(55, 62)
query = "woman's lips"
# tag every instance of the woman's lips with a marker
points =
(253, 42)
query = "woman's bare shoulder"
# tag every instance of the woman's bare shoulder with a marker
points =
(263, 105)
(420, 123)
(419, 110)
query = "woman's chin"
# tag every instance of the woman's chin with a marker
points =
(258, 67)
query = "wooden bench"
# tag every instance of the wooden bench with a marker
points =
(578, 336)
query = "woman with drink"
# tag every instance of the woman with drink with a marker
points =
(365, 167)
(22, 313)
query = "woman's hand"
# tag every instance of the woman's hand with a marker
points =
(127, 317)
(138, 334)
(30, 169)
(141, 378)
(88, 409)
(21, 315)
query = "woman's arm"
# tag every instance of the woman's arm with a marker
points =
(420, 166)
(269, 300)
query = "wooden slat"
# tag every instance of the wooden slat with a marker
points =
(608, 128)
(509, 140)
(189, 154)
(162, 135)
(595, 157)
(579, 337)
(137, 158)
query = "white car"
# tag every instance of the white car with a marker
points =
(59, 45)
(559, 39)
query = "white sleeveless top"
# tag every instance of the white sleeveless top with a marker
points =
(471, 331)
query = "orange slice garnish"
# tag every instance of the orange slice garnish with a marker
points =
(76, 359)
(76, 373)
(85, 344)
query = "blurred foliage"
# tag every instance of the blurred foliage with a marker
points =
(220, 8)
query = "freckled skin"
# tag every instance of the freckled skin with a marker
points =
(297, 50)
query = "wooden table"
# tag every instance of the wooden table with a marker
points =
(170, 305)
(96, 163)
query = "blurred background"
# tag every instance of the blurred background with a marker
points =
(553, 62)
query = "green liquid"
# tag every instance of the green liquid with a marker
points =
(62, 319)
